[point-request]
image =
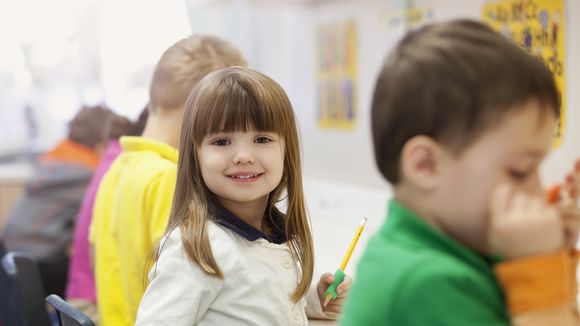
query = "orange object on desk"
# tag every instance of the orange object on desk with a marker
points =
(553, 194)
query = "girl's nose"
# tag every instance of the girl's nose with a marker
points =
(243, 156)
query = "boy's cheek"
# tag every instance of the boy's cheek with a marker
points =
(473, 234)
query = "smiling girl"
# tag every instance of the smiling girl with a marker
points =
(230, 256)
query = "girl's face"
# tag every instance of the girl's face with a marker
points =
(241, 168)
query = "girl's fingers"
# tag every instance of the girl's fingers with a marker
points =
(335, 306)
(327, 278)
(345, 285)
(339, 301)
(330, 308)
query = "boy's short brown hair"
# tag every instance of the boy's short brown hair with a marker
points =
(184, 64)
(87, 126)
(451, 81)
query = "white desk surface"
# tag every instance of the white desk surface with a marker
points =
(15, 172)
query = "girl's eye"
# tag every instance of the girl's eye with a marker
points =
(221, 142)
(262, 140)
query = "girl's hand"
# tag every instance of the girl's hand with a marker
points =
(568, 206)
(522, 225)
(341, 290)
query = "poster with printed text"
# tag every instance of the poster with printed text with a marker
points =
(337, 76)
(410, 18)
(539, 26)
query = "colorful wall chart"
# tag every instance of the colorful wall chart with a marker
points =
(411, 17)
(539, 26)
(337, 76)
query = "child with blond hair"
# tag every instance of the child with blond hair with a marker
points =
(134, 198)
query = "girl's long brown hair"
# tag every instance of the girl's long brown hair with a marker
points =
(238, 99)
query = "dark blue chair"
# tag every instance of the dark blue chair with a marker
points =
(2, 248)
(67, 314)
(22, 296)
(2, 253)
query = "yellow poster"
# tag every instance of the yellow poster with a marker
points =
(337, 76)
(410, 18)
(540, 27)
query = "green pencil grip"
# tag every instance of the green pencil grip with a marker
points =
(331, 290)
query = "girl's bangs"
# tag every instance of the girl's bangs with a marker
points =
(231, 108)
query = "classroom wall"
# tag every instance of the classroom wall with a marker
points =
(279, 39)
(561, 159)
(327, 164)
(341, 181)
(369, 16)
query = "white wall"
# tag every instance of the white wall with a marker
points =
(278, 37)
(341, 181)
(338, 146)
(327, 164)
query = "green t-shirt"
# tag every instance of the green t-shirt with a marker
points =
(411, 274)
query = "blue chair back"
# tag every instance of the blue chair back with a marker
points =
(2, 248)
(21, 298)
(67, 314)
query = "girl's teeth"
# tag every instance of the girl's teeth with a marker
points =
(245, 176)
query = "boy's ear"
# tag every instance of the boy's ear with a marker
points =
(421, 162)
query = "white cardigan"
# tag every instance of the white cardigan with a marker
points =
(259, 278)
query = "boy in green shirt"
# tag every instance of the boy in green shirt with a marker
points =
(461, 120)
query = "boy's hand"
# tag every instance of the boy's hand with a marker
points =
(568, 207)
(521, 225)
(341, 290)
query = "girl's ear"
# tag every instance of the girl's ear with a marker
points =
(421, 162)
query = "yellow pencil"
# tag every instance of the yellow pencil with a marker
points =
(330, 292)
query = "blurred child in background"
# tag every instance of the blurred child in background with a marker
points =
(42, 222)
(80, 289)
